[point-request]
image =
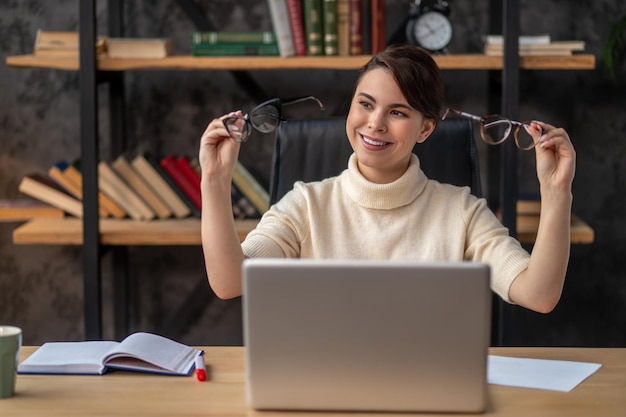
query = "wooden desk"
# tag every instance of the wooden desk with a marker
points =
(136, 394)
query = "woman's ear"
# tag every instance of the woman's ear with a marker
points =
(428, 125)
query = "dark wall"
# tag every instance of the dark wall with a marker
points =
(41, 286)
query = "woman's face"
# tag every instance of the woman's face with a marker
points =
(383, 128)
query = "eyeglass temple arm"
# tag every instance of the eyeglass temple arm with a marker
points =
(463, 114)
(300, 99)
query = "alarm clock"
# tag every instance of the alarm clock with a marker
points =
(429, 26)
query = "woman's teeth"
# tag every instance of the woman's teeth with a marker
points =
(373, 142)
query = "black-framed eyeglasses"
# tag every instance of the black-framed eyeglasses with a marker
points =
(265, 118)
(495, 129)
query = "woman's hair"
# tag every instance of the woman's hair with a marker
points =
(415, 72)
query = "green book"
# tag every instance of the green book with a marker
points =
(250, 38)
(313, 27)
(329, 27)
(235, 50)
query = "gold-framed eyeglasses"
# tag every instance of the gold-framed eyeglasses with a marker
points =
(495, 129)
(265, 118)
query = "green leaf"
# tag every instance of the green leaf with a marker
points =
(613, 47)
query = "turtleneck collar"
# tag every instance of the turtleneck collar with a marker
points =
(389, 196)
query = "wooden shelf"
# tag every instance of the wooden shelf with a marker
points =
(182, 62)
(69, 231)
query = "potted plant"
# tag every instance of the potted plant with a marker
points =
(613, 52)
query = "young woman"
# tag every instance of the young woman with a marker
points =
(382, 206)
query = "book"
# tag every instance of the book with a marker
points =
(113, 186)
(171, 167)
(329, 26)
(343, 27)
(356, 27)
(45, 189)
(191, 206)
(522, 39)
(366, 26)
(140, 352)
(62, 43)
(26, 209)
(185, 167)
(72, 172)
(233, 37)
(150, 172)
(560, 48)
(242, 208)
(296, 22)
(235, 50)
(251, 188)
(139, 47)
(378, 26)
(56, 172)
(313, 27)
(125, 170)
(56, 39)
(280, 22)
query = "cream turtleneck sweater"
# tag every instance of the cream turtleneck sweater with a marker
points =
(410, 219)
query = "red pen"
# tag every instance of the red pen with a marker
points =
(200, 368)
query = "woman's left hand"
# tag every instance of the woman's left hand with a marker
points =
(556, 159)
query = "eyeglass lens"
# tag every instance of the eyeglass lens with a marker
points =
(265, 119)
(496, 129)
(238, 128)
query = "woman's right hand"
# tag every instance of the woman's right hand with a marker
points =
(218, 152)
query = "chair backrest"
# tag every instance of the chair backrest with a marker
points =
(311, 150)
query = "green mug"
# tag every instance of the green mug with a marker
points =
(10, 343)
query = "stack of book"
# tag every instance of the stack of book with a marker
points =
(215, 43)
(534, 45)
(63, 44)
(144, 188)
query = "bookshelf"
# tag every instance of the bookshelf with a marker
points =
(69, 231)
(92, 233)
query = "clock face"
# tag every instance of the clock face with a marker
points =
(433, 31)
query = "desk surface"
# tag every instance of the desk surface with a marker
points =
(128, 393)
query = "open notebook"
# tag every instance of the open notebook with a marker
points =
(366, 335)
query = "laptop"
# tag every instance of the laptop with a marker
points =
(348, 335)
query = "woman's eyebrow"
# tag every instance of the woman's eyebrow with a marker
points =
(391, 106)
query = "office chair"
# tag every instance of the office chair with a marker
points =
(311, 150)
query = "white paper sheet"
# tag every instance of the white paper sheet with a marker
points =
(538, 373)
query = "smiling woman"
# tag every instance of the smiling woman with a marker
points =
(385, 199)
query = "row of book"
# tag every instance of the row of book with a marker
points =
(304, 28)
(144, 188)
(325, 27)
(51, 43)
(534, 45)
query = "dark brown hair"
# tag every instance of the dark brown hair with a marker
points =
(416, 73)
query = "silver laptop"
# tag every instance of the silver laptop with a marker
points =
(366, 335)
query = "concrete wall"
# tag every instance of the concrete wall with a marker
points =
(41, 286)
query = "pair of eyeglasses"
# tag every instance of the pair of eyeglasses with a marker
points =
(495, 129)
(265, 118)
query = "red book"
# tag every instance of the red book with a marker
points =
(294, 8)
(188, 171)
(378, 26)
(171, 167)
(356, 27)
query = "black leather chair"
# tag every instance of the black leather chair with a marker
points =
(311, 150)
